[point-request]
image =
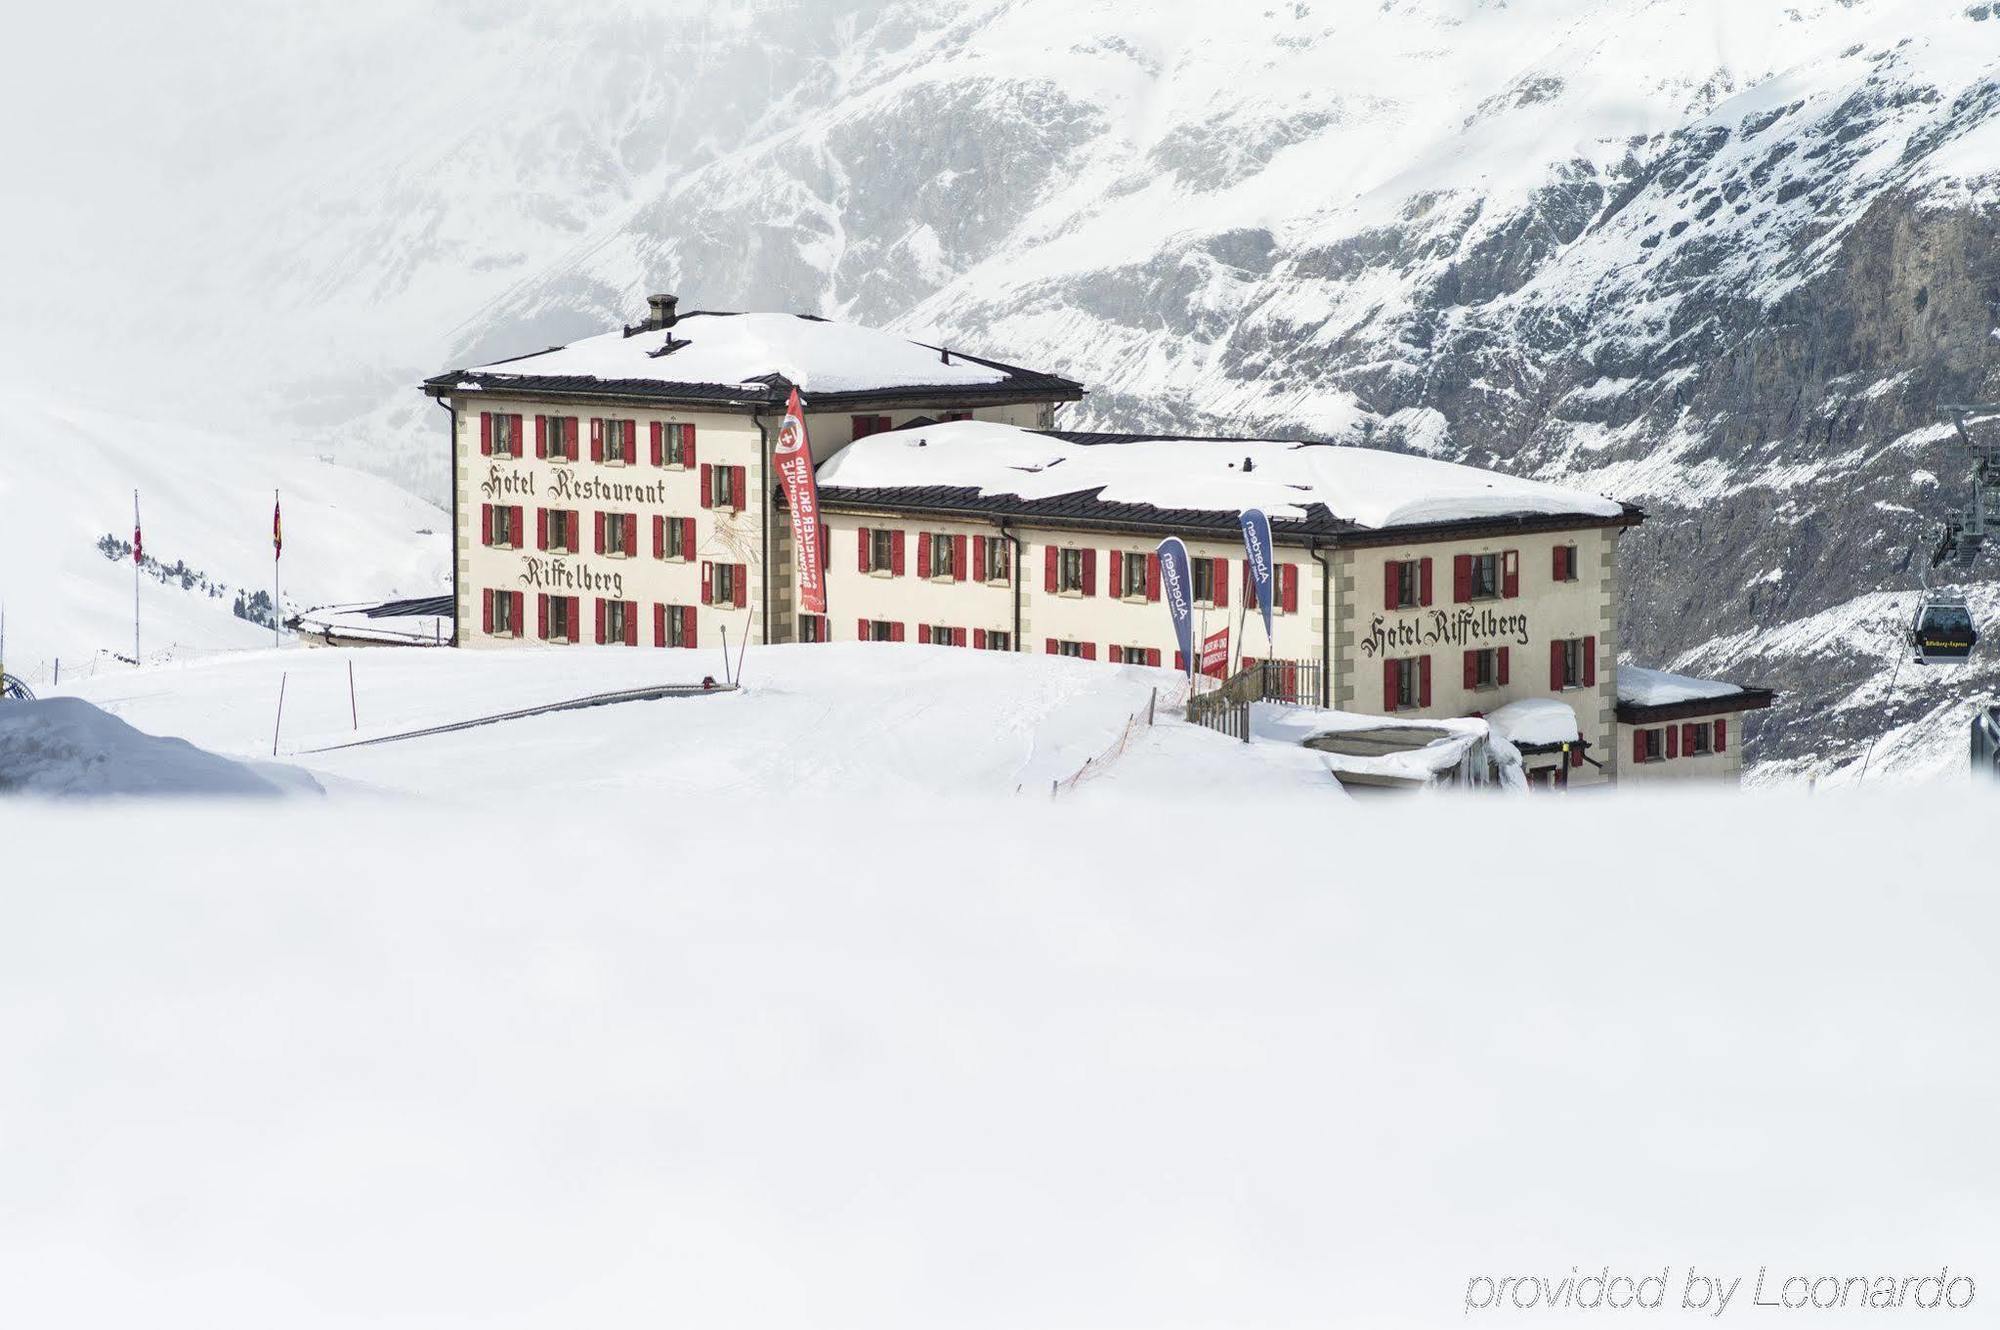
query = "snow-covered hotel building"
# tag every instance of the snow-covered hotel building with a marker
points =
(619, 491)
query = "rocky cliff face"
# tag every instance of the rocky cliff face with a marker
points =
(1721, 259)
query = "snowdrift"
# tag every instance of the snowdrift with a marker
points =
(65, 746)
(635, 1061)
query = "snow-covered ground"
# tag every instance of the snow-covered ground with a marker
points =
(66, 480)
(663, 1060)
(892, 721)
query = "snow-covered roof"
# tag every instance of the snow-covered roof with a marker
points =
(1535, 722)
(1367, 487)
(1642, 687)
(744, 352)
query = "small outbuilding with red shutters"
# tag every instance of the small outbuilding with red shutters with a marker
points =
(1674, 727)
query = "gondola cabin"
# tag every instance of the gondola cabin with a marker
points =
(1942, 632)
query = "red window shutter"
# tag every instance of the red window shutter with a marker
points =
(1051, 646)
(1673, 741)
(1590, 662)
(979, 639)
(1152, 577)
(861, 631)
(896, 553)
(958, 558)
(896, 632)
(1576, 755)
(687, 625)
(1472, 669)
(1500, 666)
(1638, 745)
(1424, 681)
(1050, 555)
(1424, 575)
(576, 618)
(486, 611)
(631, 623)
(1090, 572)
(486, 524)
(923, 554)
(1510, 574)
(1117, 654)
(739, 487)
(1180, 661)
(687, 538)
(1288, 588)
(1561, 573)
(659, 536)
(659, 624)
(707, 583)
(1388, 685)
(600, 531)
(541, 528)
(1152, 655)
(1117, 566)
(742, 585)
(1722, 736)
(1461, 578)
(687, 445)
(707, 487)
(958, 637)
(569, 437)
(541, 436)
(1392, 585)
(600, 621)
(520, 521)
(486, 433)
(1221, 584)
(923, 634)
(1555, 666)
(863, 426)
(596, 439)
(1687, 739)
(520, 429)
(978, 556)
(1090, 651)
(659, 439)
(863, 543)
(631, 440)
(542, 615)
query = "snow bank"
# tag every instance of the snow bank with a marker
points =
(1653, 688)
(1278, 1063)
(1363, 485)
(817, 355)
(1535, 720)
(64, 746)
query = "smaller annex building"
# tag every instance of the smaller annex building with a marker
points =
(620, 491)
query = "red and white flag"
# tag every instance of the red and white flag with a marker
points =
(138, 539)
(1215, 653)
(793, 457)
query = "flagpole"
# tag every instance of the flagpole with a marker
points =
(277, 549)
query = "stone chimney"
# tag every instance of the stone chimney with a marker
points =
(662, 315)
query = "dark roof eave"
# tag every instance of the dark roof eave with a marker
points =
(1085, 513)
(1039, 388)
(1750, 699)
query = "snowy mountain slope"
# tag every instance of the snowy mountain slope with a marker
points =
(66, 481)
(1723, 257)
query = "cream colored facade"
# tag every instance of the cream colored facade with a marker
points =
(1691, 755)
(1364, 632)
(747, 536)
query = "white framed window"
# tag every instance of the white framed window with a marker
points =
(1069, 572)
(1132, 577)
(943, 555)
(996, 569)
(618, 441)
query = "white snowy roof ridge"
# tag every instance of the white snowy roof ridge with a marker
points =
(1365, 487)
(1640, 687)
(746, 355)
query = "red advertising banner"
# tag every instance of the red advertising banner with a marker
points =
(793, 459)
(1215, 654)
